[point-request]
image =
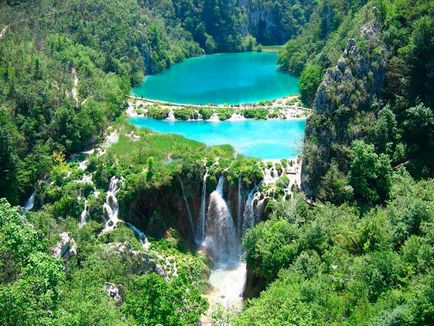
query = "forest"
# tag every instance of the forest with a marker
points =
(353, 247)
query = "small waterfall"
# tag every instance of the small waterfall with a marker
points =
(268, 178)
(171, 116)
(30, 202)
(221, 236)
(252, 214)
(111, 205)
(83, 215)
(260, 206)
(190, 218)
(200, 229)
(142, 237)
(240, 204)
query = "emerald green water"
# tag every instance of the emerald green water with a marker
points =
(230, 78)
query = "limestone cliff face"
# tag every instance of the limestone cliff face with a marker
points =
(263, 22)
(352, 86)
(175, 205)
(358, 77)
(156, 210)
(275, 22)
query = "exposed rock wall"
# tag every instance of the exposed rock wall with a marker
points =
(349, 88)
(275, 22)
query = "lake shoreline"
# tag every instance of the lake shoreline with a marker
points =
(285, 108)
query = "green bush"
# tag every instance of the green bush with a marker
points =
(158, 113)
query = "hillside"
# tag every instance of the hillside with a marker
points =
(105, 223)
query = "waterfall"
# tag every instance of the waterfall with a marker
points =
(200, 229)
(221, 236)
(190, 218)
(171, 116)
(83, 215)
(142, 237)
(251, 213)
(111, 205)
(240, 203)
(30, 202)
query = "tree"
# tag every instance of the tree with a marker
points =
(386, 131)
(370, 174)
(153, 301)
(310, 79)
(8, 159)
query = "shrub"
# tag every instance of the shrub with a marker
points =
(158, 113)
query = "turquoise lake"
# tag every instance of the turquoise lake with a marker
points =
(263, 139)
(230, 78)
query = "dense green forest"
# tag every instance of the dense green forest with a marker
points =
(354, 247)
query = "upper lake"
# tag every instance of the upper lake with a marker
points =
(230, 78)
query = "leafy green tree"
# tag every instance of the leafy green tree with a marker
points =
(310, 79)
(153, 301)
(370, 173)
(418, 126)
(8, 159)
(335, 186)
(269, 247)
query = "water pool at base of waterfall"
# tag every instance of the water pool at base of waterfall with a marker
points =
(263, 139)
(227, 286)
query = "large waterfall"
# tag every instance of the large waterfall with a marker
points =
(220, 232)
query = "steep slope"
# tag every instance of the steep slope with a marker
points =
(367, 69)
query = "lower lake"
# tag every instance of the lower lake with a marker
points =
(263, 139)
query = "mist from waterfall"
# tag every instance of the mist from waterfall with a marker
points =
(220, 232)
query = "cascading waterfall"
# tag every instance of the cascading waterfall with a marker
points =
(190, 217)
(200, 229)
(111, 205)
(221, 236)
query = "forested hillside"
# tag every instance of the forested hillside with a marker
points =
(367, 69)
(353, 246)
(67, 65)
(362, 255)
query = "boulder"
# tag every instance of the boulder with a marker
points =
(65, 248)
(115, 291)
